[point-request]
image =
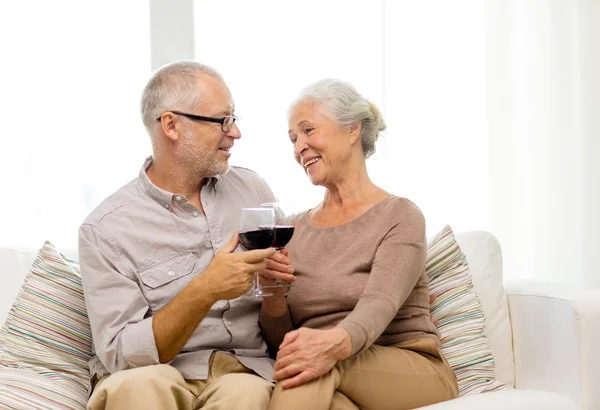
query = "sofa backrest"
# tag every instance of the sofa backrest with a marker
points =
(485, 261)
(14, 265)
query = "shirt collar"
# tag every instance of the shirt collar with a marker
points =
(164, 198)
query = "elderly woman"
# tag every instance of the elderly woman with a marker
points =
(360, 302)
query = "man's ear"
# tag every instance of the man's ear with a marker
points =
(355, 132)
(169, 125)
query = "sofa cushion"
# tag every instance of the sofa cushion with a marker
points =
(508, 400)
(485, 261)
(461, 321)
(47, 330)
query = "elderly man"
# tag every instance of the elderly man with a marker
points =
(172, 324)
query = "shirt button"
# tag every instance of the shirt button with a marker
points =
(195, 213)
(167, 206)
(177, 198)
(171, 273)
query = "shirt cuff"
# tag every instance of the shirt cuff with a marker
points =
(138, 344)
(356, 335)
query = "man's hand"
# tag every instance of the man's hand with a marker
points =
(229, 274)
(306, 354)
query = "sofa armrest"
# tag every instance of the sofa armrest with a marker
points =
(556, 337)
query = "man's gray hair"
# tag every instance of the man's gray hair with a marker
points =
(172, 87)
(343, 104)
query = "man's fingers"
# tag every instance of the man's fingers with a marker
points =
(256, 255)
(432, 298)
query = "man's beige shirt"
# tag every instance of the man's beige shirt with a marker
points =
(141, 247)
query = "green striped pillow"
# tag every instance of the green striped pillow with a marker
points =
(47, 330)
(461, 323)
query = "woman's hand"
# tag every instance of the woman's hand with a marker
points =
(306, 354)
(278, 268)
(279, 263)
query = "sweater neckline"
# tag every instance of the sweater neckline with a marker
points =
(361, 216)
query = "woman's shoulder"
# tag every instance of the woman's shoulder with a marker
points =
(403, 204)
(399, 209)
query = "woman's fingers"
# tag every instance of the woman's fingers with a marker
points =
(286, 372)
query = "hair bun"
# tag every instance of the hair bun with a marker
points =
(378, 118)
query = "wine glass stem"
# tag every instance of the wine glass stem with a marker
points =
(258, 290)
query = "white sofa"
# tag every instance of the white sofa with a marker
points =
(542, 336)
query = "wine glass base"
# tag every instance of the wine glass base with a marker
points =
(261, 293)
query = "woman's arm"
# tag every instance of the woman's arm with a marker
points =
(399, 262)
(275, 320)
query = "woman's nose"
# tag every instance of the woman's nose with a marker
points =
(300, 146)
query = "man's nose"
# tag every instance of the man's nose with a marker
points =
(234, 132)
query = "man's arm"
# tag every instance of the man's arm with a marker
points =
(124, 337)
(228, 276)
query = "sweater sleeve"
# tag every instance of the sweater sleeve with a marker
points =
(398, 264)
(274, 329)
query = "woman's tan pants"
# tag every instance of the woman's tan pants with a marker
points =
(405, 375)
(230, 385)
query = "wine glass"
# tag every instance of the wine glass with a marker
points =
(257, 231)
(284, 230)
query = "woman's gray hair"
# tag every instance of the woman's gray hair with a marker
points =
(343, 104)
(172, 87)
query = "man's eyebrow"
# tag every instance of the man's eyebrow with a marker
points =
(227, 111)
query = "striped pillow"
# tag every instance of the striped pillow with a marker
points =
(2, 336)
(461, 323)
(47, 330)
(26, 389)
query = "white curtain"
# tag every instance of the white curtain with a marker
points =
(543, 69)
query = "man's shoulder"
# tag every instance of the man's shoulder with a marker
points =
(242, 174)
(112, 203)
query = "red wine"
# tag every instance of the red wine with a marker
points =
(283, 234)
(257, 238)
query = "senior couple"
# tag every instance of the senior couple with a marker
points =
(166, 282)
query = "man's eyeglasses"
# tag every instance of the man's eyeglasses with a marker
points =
(226, 122)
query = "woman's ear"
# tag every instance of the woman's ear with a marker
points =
(169, 126)
(355, 132)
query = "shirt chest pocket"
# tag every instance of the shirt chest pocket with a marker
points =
(162, 281)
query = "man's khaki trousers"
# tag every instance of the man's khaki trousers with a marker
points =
(402, 376)
(230, 385)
